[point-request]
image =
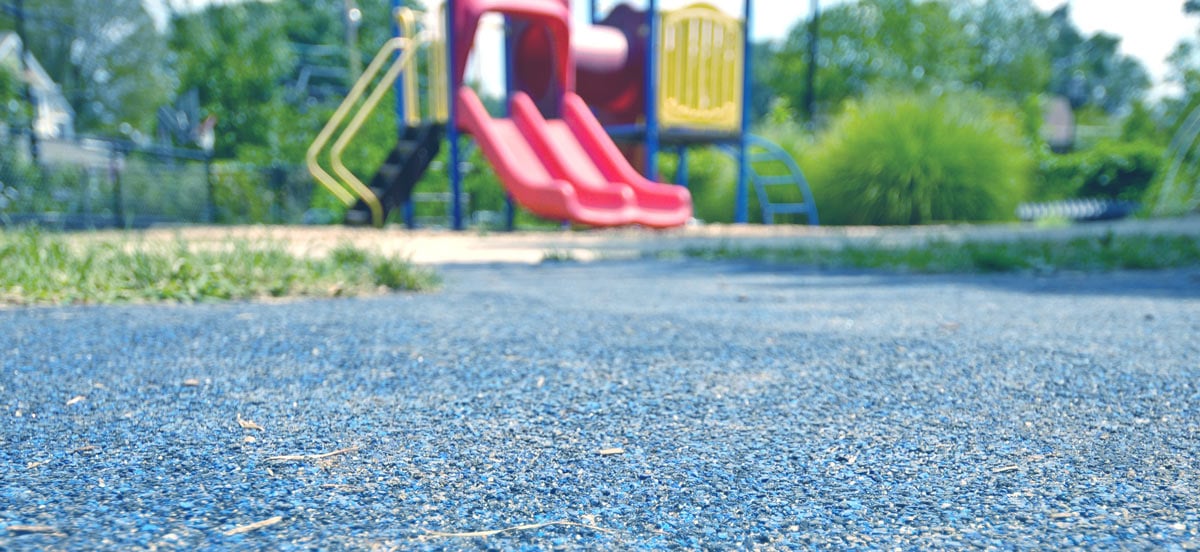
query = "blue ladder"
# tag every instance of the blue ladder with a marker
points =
(771, 166)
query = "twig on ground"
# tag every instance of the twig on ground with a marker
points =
(253, 526)
(35, 530)
(247, 424)
(343, 488)
(305, 457)
(526, 527)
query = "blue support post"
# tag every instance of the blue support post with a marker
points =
(652, 130)
(456, 214)
(409, 213)
(681, 170)
(397, 86)
(593, 15)
(510, 208)
(742, 208)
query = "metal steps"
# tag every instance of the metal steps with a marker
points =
(393, 183)
(772, 168)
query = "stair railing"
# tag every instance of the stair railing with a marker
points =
(408, 44)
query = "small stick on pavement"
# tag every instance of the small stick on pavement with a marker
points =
(527, 527)
(35, 530)
(304, 457)
(253, 526)
(247, 424)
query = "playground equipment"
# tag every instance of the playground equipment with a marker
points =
(676, 79)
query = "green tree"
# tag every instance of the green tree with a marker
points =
(237, 58)
(1184, 73)
(1005, 61)
(875, 44)
(107, 57)
(1005, 48)
(12, 101)
(1091, 71)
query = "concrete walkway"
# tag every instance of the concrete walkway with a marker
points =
(439, 247)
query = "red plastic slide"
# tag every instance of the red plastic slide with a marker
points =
(569, 169)
(525, 175)
(658, 205)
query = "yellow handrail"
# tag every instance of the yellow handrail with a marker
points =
(439, 95)
(406, 22)
(700, 68)
(350, 185)
(335, 154)
(339, 115)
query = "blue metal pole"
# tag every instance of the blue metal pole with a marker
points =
(742, 207)
(456, 214)
(593, 15)
(409, 213)
(681, 170)
(510, 85)
(652, 84)
(398, 84)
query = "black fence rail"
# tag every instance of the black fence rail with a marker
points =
(94, 183)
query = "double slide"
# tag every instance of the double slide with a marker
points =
(569, 169)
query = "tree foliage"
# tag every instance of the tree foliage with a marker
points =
(1005, 48)
(107, 57)
(236, 56)
(244, 61)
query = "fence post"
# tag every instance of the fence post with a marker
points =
(278, 180)
(210, 215)
(114, 176)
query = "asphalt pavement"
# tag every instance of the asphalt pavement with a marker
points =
(615, 405)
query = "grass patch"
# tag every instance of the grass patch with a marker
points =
(1092, 254)
(558, 256)
(50, 268)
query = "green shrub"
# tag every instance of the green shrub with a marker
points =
(712, 180)
(1110, 169)
(152, 187)
(917, 159)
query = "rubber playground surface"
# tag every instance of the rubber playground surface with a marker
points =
(645, 404)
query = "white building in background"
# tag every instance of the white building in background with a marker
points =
(54, 118)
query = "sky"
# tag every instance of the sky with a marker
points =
(1149, 29)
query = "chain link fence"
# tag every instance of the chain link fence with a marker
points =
(94, 183)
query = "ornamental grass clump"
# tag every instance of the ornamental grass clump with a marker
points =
(919, 159)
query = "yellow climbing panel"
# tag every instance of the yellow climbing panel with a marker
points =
(700, 69)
